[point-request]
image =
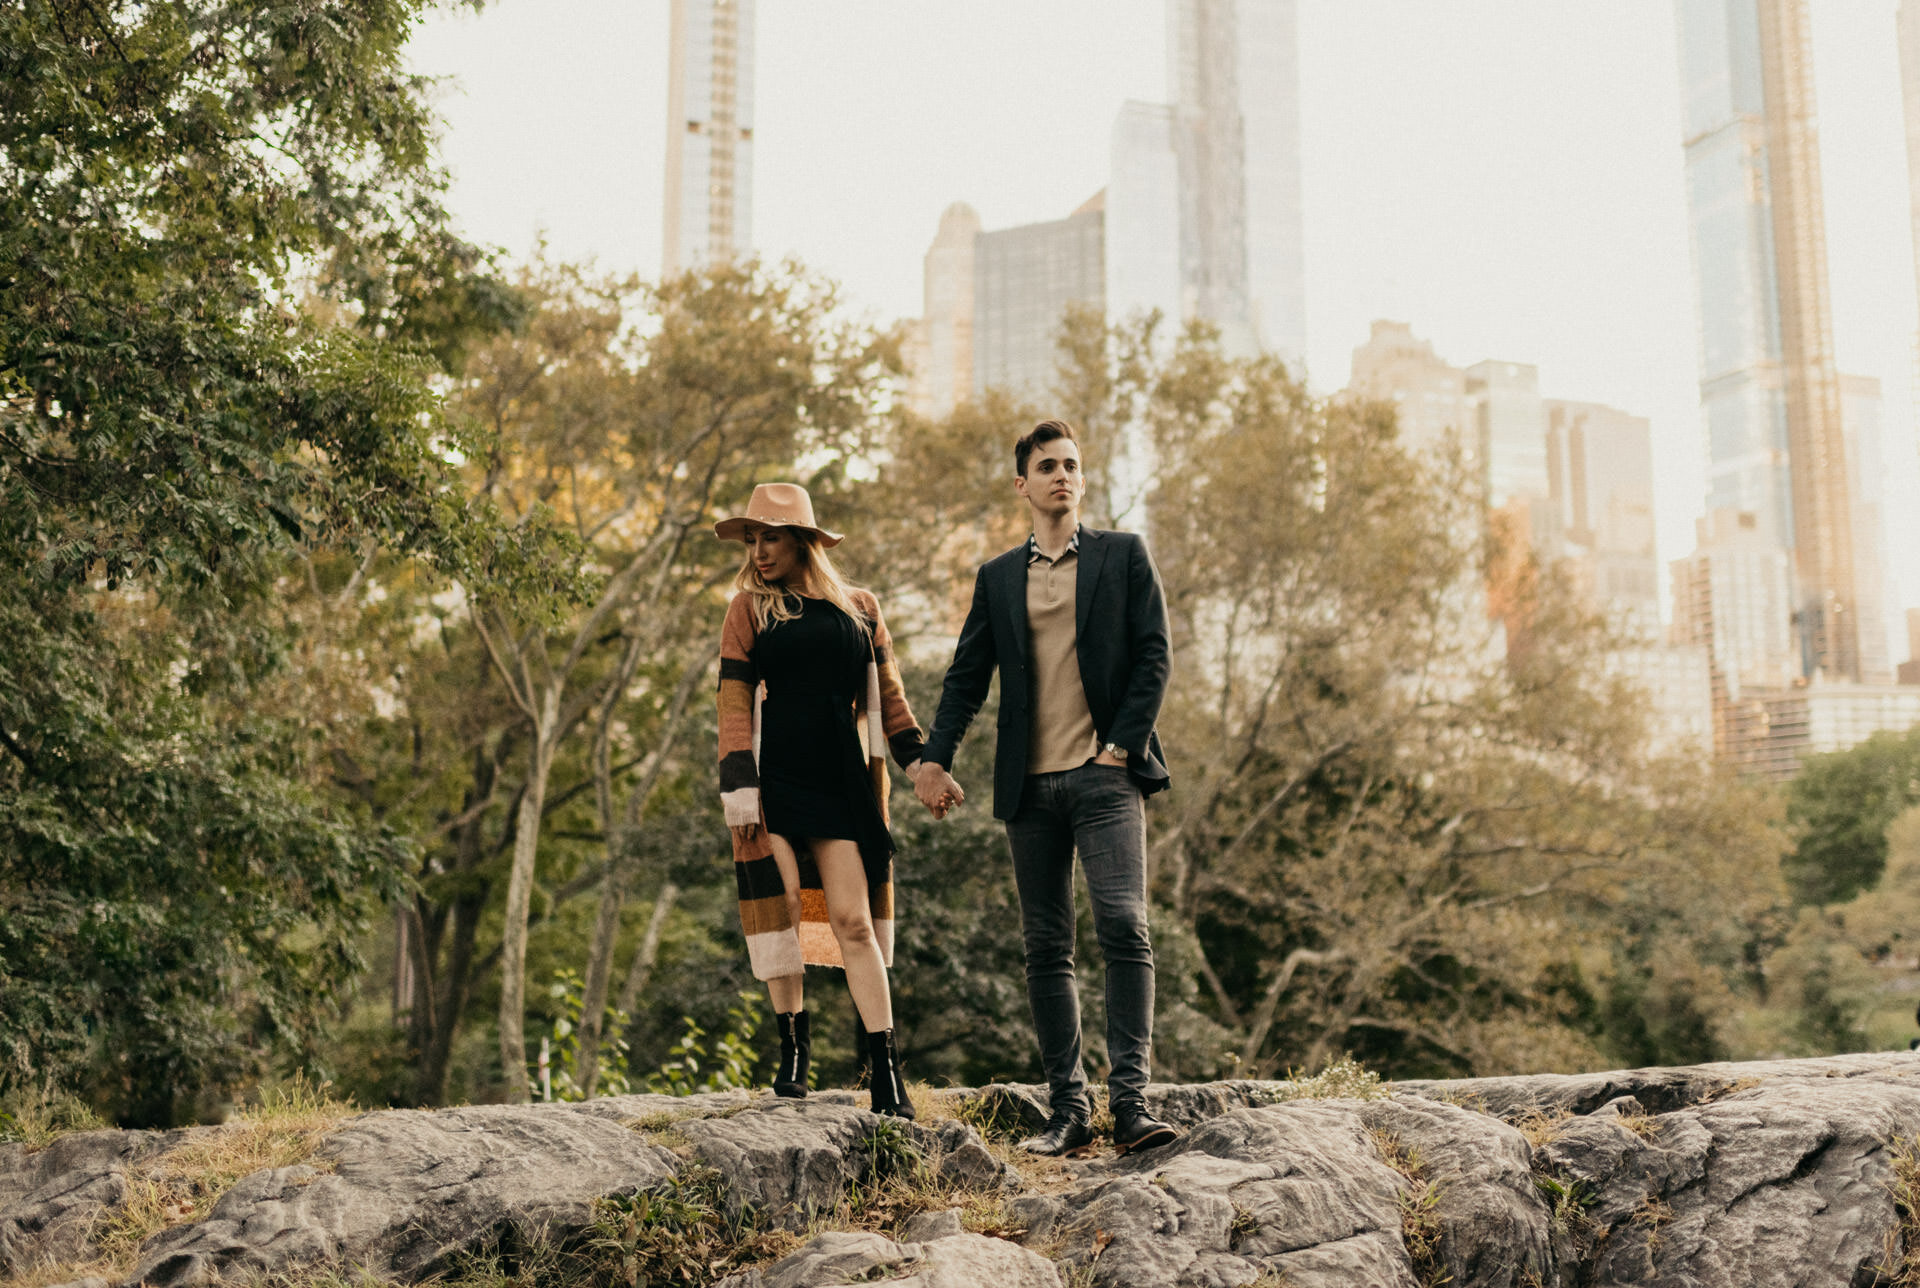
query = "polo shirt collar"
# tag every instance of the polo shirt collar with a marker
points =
(1034, 555)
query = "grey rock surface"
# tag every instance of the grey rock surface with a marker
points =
(408, 1189)
(1721, 1176)
(51, 1198)
(955, 1261)
(793, 1159)
(1249, 1192)
(1786, 1183)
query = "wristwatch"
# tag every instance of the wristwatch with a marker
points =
(1115, 750)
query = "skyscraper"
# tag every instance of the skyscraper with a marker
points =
(1510, 421)
(1429, 396)
(1866, 467)
(1907, 22)
(941, 358)
(1143, 216)
(1234, 74)
(709, 188)
(1600, 475)
(1024, 280)
(1768, 385)
(1733, 594)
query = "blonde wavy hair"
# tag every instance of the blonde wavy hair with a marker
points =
(773, 602)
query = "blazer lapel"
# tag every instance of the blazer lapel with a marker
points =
(1013, 595)
(1093, 556)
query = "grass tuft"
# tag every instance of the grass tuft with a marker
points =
(1652, 1216)
(1901, 1266)
(283, 1129)
(1539, 1126)
(37, 1116)
(1645, 1126)
(1420, 1226)
(1344, 1078)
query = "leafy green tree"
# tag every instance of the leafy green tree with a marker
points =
(1840, 806)
(226, 285)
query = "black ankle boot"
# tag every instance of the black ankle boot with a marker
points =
(889, 1089)
(796, 1053)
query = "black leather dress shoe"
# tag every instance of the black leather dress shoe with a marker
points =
(1140, 1131)
(1062, 1135)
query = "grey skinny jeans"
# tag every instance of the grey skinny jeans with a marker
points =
(1097, 809)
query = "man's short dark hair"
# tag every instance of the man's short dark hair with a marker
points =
(1045, 432)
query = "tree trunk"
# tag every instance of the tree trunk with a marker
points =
(513, 943)
(641, 971)
(606, 929)
(456, 984)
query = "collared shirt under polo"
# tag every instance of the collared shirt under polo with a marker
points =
(1063, 736)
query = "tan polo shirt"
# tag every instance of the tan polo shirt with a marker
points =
(1062, 736)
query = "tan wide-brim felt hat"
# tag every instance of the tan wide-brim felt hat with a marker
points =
(778, 505)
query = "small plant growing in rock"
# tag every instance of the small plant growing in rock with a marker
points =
(890, 1152)
(991, 1112)
(1345, 1078)
(1645, 1126)
(1420, 1226)
(1653, 1216)
(283, 1129)
(1570, 1200)
(680, 1233)
(1245, 1225)
(1540, 1126)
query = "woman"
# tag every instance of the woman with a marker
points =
(803, 660)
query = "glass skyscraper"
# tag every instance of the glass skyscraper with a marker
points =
(1234, 75)
(709, 189)
(1024, 280)
(1769, 389)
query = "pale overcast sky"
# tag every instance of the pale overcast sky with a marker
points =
(1505, 175)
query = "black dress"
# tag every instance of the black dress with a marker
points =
(814, 781)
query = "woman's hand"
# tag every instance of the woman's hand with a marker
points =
(746, 831)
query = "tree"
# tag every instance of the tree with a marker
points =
(1397, 834)
(1841, 805)
(635, 424)
(178, 428)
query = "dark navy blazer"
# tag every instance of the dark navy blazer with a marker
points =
(1120, 629)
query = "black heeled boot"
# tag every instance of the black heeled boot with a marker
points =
(889, 1089)
(796, 1053)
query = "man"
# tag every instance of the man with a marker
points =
(1075, 621)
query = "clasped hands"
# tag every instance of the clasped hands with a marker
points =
(939, 792)
(935, 787)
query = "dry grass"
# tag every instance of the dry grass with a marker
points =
(1652, 1216)
(1420, 1225)
(1733, 1088)
(1342, 1079)
(1539, 1126)
(182, 1185)
(37, 1116)
(1901, 1266)
(1645, 1126)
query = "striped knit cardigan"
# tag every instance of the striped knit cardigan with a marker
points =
(775, 946)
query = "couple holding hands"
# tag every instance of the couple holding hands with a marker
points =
(1075, 621)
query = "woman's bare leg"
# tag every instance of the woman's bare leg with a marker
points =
(844, 879)
(788, 993)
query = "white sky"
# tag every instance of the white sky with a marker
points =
(1506, 175)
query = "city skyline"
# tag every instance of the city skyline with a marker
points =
(1517, 194)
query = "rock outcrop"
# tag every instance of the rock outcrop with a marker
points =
(1781, 1173)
